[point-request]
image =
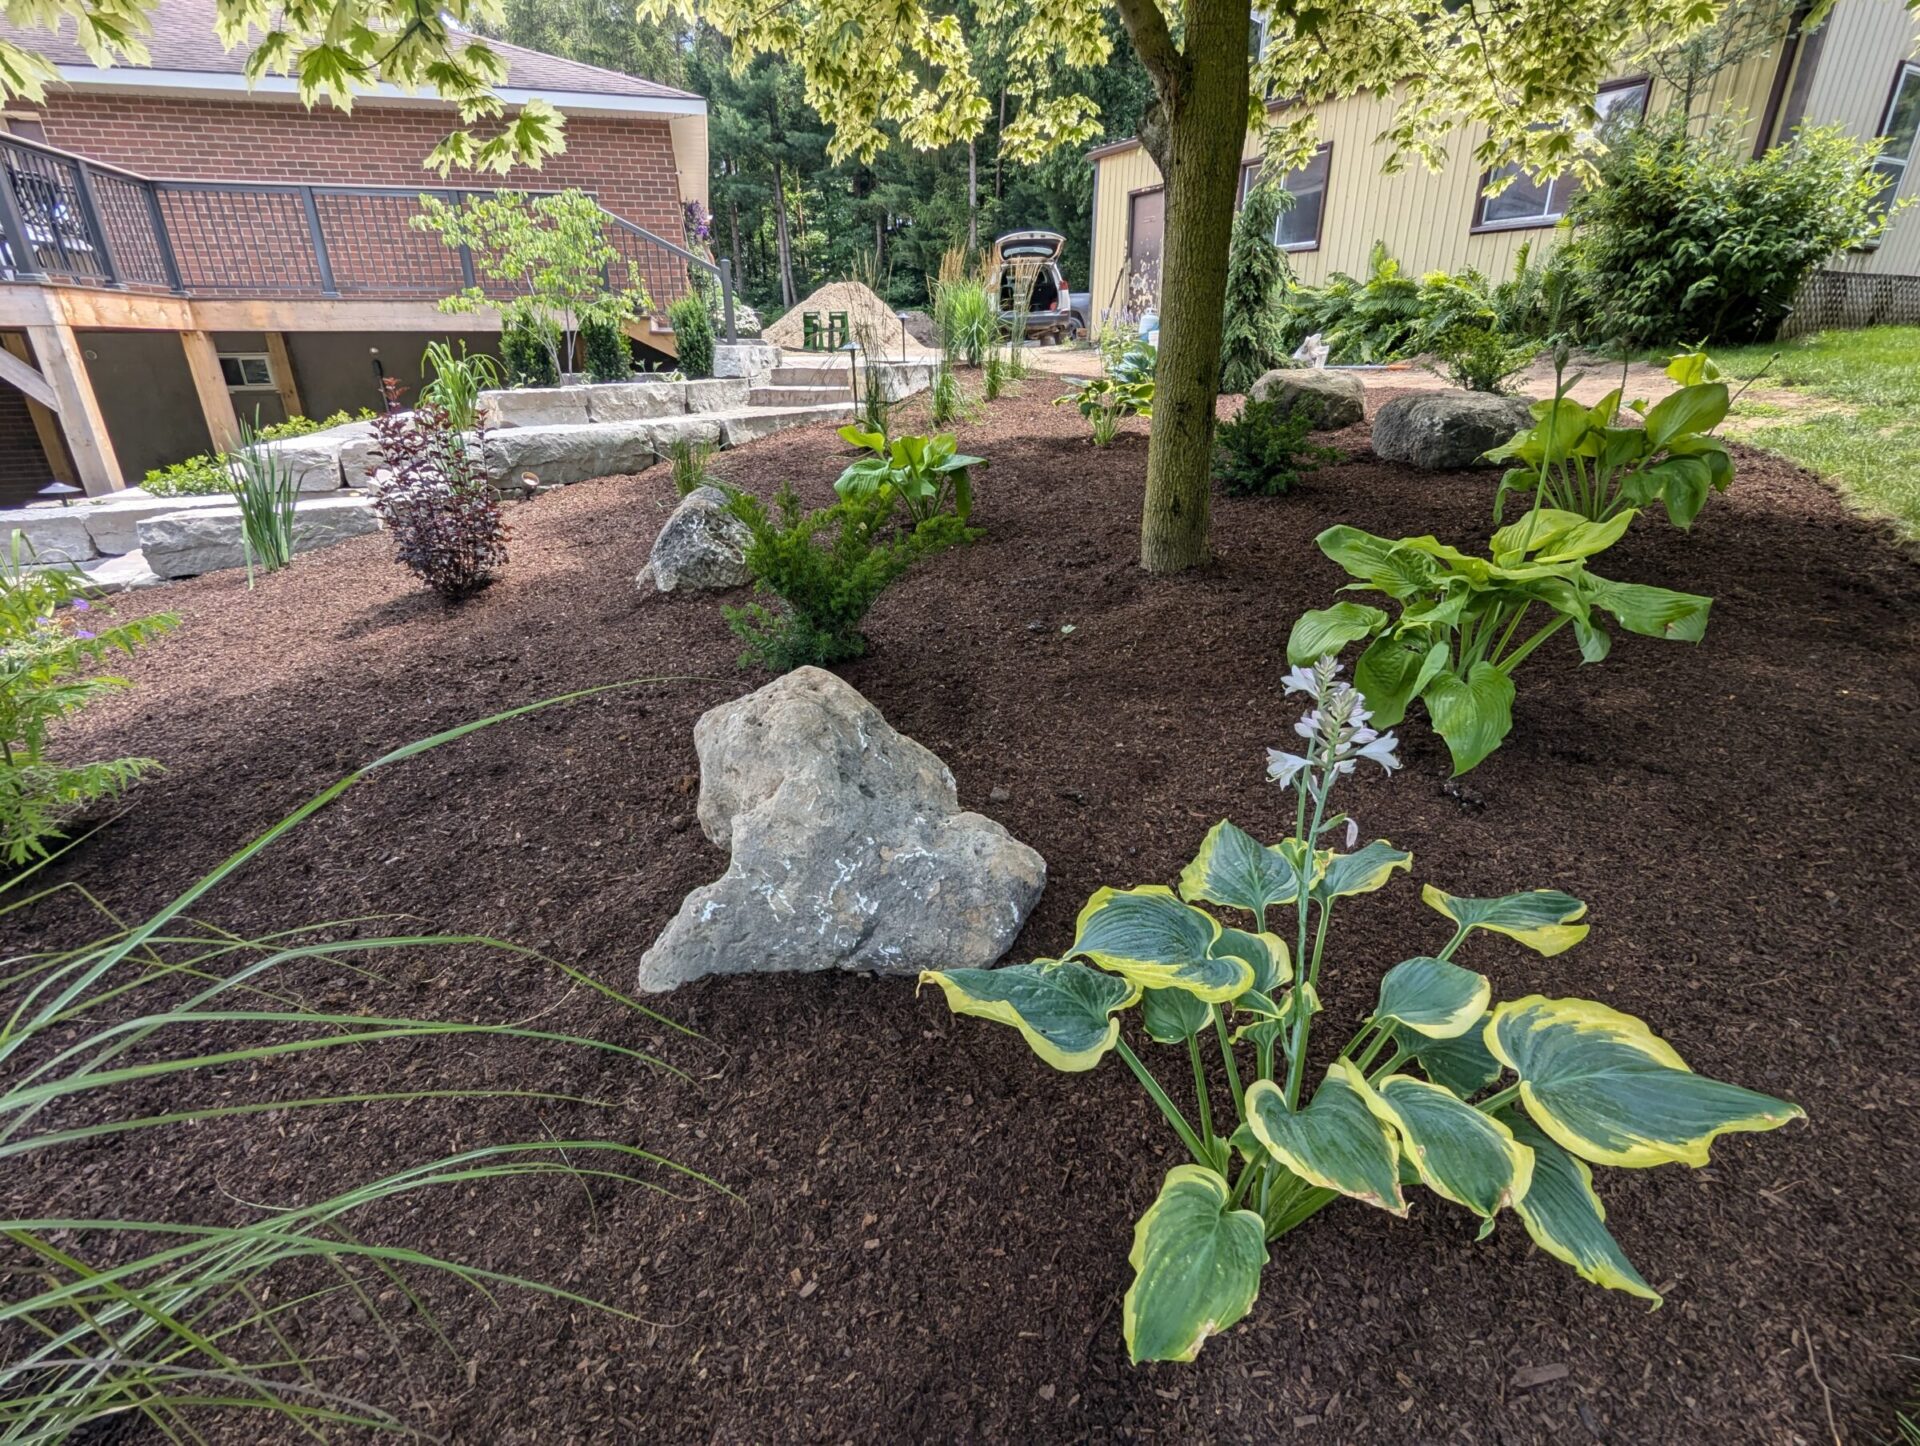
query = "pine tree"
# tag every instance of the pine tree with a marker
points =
(1250, 336)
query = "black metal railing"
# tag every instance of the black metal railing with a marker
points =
(66, 220)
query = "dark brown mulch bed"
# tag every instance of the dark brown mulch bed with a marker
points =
(931, 1237)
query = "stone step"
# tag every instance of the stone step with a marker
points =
(798, 396)
(749, 424)
(803, 374)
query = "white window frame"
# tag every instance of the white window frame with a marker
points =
(1895, 166)
(1249, 173)
(243, 363)
(1557, 191)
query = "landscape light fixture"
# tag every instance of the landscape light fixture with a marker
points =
(850, 347)
(903, 334)
(65, 491)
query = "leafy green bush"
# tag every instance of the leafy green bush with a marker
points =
(824, 592)
(1252, 341)
(923, 476)
(1512, 1102)
(1687, 236)
(47, 660)
(529, 349)
(1125, 391)
(609, 352)
(1577, 461)
(205, 475)
(1370, 321)
(692, 336)
(166, 1322)
(1264, 451)
(1478, 358)
(1457, 639)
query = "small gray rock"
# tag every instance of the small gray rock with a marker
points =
(850, 849)
(701, 549)
(1446, 431)
(1332, 399)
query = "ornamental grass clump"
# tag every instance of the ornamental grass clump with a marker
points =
(1491, 1107)
(161, 1321)
(431, 492)
(267, 490)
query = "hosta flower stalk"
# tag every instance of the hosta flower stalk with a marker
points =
(1491, 1107)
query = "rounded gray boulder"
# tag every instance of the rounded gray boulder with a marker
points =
(1447, 431)
(702, 548)
(1332, 399)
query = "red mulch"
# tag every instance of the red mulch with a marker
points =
(931, 1232)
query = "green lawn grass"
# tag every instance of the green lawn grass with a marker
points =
(1868, 442)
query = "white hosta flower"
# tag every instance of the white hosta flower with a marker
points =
(1353, 832)
(1283, 768)
(1380, 750)
(1301, 680)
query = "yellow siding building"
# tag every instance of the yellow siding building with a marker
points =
(1858, 69)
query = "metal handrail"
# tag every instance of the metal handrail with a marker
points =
(67, 219)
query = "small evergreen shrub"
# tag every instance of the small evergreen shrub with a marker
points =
(1252, 341)
(609, 353)
(688, 457)
(692, 335)
(435, 499)
(1264, 451)
(528, 347)
(824, 591)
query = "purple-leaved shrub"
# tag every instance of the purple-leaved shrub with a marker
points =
(431, 492)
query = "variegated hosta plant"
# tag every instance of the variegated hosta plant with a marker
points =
(1489, 1106)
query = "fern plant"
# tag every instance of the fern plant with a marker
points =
(46, 657)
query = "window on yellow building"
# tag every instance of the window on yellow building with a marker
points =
(1542, 200)
(1900, 126)
(1298, 227)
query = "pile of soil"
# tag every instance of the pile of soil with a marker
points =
(929, 1230)
(867, 314)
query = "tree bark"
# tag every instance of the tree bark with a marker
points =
(1193, 130)
(781, 242)
(973, 199)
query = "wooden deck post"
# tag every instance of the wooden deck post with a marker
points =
(46, 426)
(216, 402)
(88, 442)
(283, 378)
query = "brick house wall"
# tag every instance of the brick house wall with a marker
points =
(626, 162)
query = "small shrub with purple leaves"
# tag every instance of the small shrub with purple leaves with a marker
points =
(432, 494)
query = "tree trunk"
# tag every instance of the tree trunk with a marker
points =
(999, 143)
(733, 232)
(973, 199)
(1194, 132)
(780, 239)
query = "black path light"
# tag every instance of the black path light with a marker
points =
(851, 348)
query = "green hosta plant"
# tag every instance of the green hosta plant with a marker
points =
(924, 476)
(1467, 622)
(1491, 1107)
(1579, 459)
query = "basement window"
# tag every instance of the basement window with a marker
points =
(1542, 200)
(246, 371)
(1899, 127)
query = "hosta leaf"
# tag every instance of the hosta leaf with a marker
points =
(1607, 1088)
(1461, 1064)
(1653, 612)
(1542, 919)
(1565, 1217)
(1391, 674)
(1361, 553)
(1557, 536)
(1268, 954)
(1472, 714)
(1149, 936)
(1172, 1016)
(1235, 869)
(1433, 997)
(1328, 630)
(1360, 872)
(1698, 408)
(1196, 1267)
(1462, 1153)
(1336, 1142)
(1063, 1011)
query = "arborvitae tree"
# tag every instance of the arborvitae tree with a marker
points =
(1251, 340)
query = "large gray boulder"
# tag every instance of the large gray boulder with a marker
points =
(561, 454)
(1446, 431)
(701, 549)
(636, 401)
(186, 544)
(717, 394)
(535, 406)
(850, 849)
(744, 358)
(114, 521)
(54, 534)
(1332, 399)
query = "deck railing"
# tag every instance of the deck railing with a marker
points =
(66, 220)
